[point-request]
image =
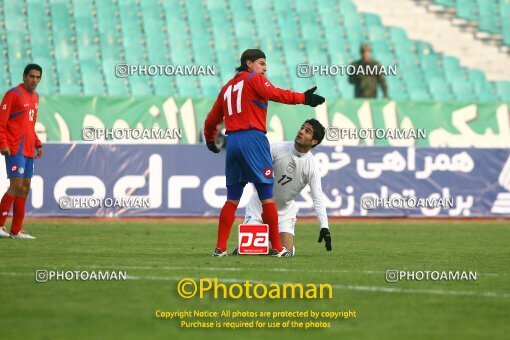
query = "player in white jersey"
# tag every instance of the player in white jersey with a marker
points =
(294, 168)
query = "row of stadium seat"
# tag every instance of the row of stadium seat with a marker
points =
(492, 16)
(79, 42)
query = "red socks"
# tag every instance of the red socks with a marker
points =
(270, 217)
(227, 218)
(19, 214)
(5, 207)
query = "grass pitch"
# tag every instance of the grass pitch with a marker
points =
(157, 254)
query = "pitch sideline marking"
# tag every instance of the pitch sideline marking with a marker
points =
(267, 269)
(351, 287)
(337, 286)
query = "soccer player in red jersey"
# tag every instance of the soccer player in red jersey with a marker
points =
(243, 103)
(19, 144)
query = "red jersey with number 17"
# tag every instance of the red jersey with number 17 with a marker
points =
(18, 114)
(243, 102)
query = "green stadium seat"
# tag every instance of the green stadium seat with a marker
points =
(487, 96)
(289, 27)
(223, 39)
(452, 68)
(39, 31)
(310, 31)
(216, 4)
(282, 6)
(240, 9)
(380, 47)
(430, 65)
(372, 20)
(466, 9)
(301, 84)
(485, 92)
(140, 86)
(115, 86)
(86, 38)
(446, 3)
(385, 59)
(422, 47)
(377, 33)
(462, 89)
(243, 28)
(276, 69)
(345, 89)
(503, 90)
(317, 57)
(488, 21)
(210, 86)
(330, 19)
(164, 86)
(294, 56)
(108, 36)
(418, 94)
(404, 48)
(132, 33)
(155, 36)
(347, 8)
(14, 20)
(68, 77)
(398, 35)
(262, 5)
(504, 9)
(188, 87)
(326, 86)
(355, 39)
(437, 86)
(352, 20)
(92, 80)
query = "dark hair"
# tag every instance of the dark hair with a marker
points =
(31, 67)
(318, 130)
(365, 47)
(251, 55)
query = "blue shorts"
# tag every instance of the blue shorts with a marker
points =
(248, 158)
(19, 166)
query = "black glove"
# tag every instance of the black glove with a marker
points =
(313, 99)
(212, 146)
(326, 236)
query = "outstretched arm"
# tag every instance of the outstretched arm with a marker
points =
(320, 209)
(269, 92)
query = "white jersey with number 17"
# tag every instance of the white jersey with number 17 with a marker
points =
(293, 171)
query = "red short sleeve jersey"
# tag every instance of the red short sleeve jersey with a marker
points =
(18, 114)
(243, 103)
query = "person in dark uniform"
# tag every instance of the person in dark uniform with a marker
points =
(365, 83)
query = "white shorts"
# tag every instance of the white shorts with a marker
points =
(286, 223)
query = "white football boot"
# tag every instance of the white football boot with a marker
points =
(22, 234)
(4, 233)
(219, 253)
(283, 253)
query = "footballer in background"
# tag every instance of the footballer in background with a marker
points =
(19, 144)
(294, 168)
